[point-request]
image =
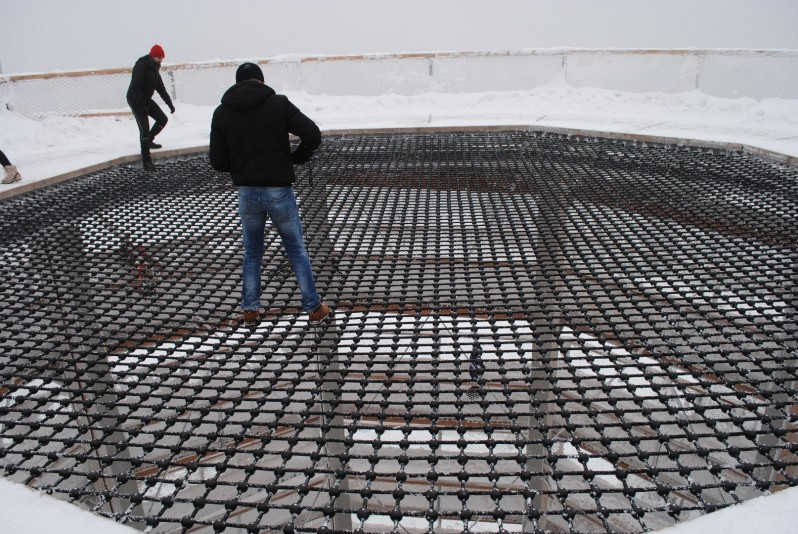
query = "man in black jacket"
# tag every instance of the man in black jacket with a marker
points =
(249, 139)
(146, 79)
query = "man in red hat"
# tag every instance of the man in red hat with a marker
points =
(145, 81)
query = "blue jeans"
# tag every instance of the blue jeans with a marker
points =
(255, 205)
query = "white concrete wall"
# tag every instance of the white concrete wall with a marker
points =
(727, 74)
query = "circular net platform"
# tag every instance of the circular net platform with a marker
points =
(531, 333)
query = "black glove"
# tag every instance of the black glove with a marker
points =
(172, 108)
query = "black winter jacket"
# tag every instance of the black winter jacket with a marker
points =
(146, 79)
(249, 136)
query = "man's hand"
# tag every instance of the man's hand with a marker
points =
(172, 108)
(299, 158)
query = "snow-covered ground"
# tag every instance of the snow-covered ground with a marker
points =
(48, 147)
(104, 34)
(54, 146)
(25, 511)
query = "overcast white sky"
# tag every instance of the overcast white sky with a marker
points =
(50, 35)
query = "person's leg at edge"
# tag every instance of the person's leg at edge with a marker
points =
(143, 122)
(253, 221)
(285, 216)
(160, 119)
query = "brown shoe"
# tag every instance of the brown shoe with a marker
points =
(319, 314)
(11, 175)
(251, 316)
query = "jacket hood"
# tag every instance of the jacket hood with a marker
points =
(246, 95)
(147, 60)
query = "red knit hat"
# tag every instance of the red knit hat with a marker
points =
(157, 51)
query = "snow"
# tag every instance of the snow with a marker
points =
(25, 511)
(55, 145)
(769, 514)
(106, 35)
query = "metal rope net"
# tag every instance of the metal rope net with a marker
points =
(532, 332)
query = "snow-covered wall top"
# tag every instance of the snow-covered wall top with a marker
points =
(727, 74)
(50, 35)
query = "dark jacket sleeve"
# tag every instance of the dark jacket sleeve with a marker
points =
(162, 91)
(217, 150)
(307, 131)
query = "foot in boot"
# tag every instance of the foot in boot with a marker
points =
(11, 175)
(148, 164)
(319, 314)
(155, 145)
(251, 317)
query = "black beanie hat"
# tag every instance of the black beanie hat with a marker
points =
(248, 71)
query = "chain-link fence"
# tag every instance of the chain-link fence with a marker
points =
(722, 73)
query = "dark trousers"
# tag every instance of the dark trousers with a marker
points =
(142, 115)
(4, 160)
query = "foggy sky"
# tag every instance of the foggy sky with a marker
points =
(51, 35)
